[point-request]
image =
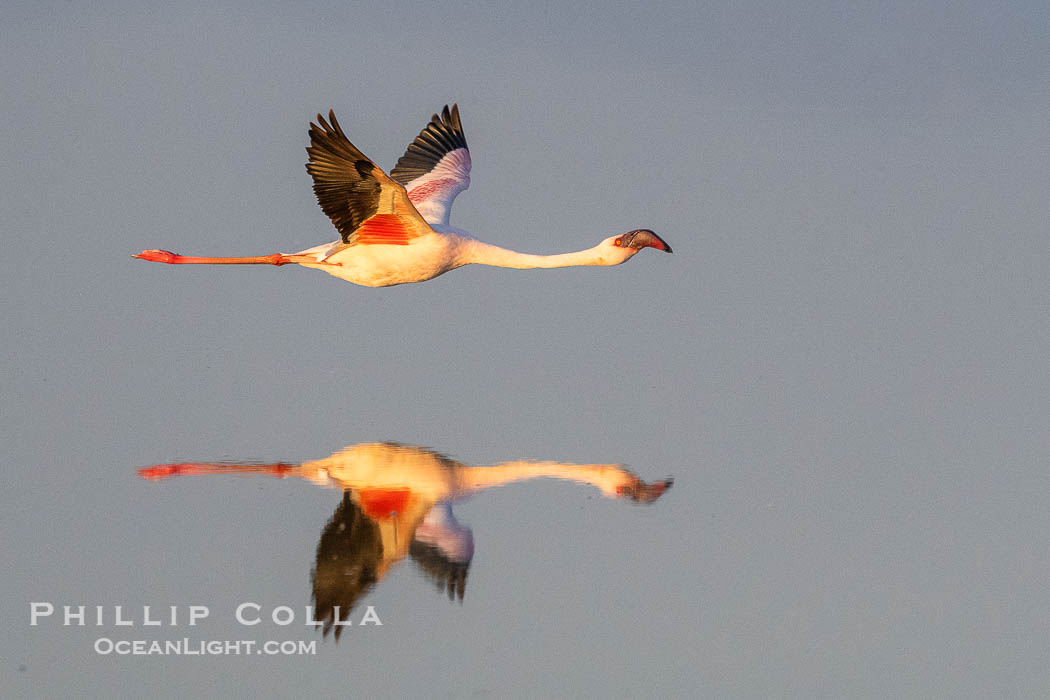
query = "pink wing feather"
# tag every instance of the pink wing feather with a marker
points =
(436, 167)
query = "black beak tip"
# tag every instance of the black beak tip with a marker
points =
(643, 238)
(661, 243)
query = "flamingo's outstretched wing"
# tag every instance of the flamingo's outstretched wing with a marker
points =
(366, 206)
(436, 166)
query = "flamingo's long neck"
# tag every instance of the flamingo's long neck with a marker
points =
(604, 476)
(472, 251)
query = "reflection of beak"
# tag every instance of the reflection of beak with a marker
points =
(644, 238)
(641, 492)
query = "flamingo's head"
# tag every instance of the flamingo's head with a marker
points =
(623, 247)
(641, 492)
(616, 481)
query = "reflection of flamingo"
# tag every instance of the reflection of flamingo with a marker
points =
(397, 501)
(394, 228)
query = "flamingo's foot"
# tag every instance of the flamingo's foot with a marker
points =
(163, 256)
(160, 471)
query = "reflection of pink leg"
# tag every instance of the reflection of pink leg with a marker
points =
(166, 471)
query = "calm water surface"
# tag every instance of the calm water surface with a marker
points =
(515, 563)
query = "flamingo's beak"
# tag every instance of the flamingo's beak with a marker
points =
(644, 238)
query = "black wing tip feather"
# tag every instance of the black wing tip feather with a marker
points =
(344, 182)
(450, 124)
(442, 135)
(447, 118)
(328, 135)
(332, 125)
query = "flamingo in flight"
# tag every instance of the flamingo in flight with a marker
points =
(394, 228)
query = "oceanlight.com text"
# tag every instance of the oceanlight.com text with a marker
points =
(105, 646)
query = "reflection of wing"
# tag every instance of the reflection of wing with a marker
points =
(443, 549)
(436, 166)
(447, 574)
(348, 557)
(361, 200)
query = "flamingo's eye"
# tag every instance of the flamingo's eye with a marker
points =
(618, 241)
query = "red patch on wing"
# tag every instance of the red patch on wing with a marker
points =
(383, 229)
(428, 189)
(380, 503)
